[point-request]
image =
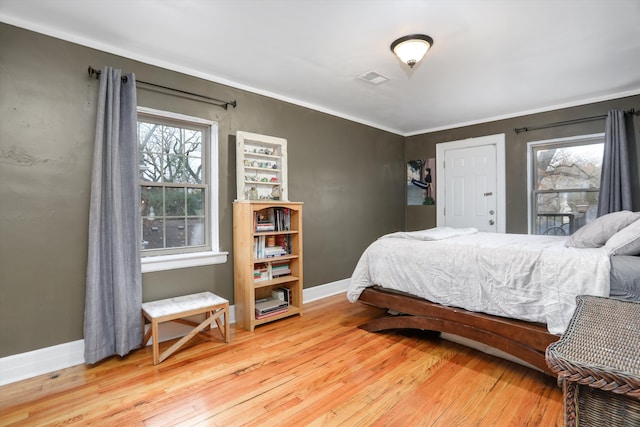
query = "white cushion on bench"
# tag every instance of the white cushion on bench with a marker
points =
(165, 307)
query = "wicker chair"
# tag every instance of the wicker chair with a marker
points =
(598, 363)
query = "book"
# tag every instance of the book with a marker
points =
(279, 269)
(271, 250)
(282, 219)
(269, 305)
(273, 313)
(265, 226)
(281, 273)
(261, 272)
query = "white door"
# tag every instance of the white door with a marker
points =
(471, 191)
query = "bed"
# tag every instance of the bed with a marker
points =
(515, 293)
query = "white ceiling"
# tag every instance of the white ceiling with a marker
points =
(490, 59)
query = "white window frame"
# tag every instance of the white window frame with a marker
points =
(533, 144)
(213, 255)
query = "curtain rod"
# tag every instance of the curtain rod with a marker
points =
(569, 122)
(218, 102)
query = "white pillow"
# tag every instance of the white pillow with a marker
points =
(596, 233)
(625, 241)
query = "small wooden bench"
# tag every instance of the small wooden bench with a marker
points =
(212, 306)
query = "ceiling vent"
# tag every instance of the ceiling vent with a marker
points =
(373, 77)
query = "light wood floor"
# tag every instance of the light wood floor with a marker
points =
(316, 369)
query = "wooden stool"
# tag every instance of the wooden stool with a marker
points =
(212, 306)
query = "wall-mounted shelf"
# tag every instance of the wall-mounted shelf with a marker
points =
(261, 164)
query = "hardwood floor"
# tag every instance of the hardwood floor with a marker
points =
(318, 369)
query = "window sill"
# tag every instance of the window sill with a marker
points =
(172, 262)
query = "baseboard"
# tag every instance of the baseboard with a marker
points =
(324, 291)
(22, 366)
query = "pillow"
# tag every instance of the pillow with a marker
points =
(596, 233)
(625, 241)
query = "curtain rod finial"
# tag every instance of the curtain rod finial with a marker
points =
(93, 72)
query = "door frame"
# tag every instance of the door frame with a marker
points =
(498, 140)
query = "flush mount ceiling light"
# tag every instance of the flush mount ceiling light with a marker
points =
(411, 49)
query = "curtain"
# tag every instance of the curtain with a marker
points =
(615, 181)
(112, 316)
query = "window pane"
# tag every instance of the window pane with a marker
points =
(175, 233)
(195, 202)
(152, 234)
(152, 202)
(193, 142)
(170, 154)
(150, 167)
(562, 213)
(175, 200)
(172, 139)
(194, 170)
(150, 137)
(173, 170)
(574, 201)
(573, 167)
(195, 231)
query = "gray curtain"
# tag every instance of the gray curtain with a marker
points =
(615, 181)
(112, 316)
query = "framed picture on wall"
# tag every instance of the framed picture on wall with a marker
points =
(421, 182)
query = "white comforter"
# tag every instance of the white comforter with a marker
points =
(527, 277)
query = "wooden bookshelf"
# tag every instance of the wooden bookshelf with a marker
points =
(248, 245)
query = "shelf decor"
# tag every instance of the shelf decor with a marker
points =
(261, 165)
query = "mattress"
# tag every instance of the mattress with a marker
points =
(525, 277)
(625, 277)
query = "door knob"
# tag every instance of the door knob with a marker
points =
(491, 222)
(491, 212)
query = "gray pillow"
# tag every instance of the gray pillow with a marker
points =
(625, 241)
(596, 233)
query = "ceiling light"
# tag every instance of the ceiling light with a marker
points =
(411, 49)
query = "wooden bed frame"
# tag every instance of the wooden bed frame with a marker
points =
(524, 340)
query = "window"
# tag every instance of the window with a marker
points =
(178, 191)
(564, 181)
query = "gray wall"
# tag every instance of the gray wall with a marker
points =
(424, 146)
(347, 175)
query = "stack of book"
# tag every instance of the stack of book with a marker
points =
(267, 271)
(261, 250)
(280, 269)
(265, 226)
(271, 251)
(270, 307)
(261, 271)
